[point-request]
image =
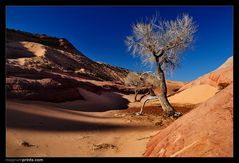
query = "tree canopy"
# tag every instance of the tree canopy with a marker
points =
(163, 40)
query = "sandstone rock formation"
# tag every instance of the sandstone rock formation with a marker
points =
(220, 77)
(41, 67)
(207, 130)
(57, 55)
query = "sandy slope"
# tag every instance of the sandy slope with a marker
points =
(66, 129)
(190, 97)
(76, 128)
(25, 49)
(194, 95)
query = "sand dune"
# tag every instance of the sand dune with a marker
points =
(59, 131)
(194, 95)
(106, 121)
(96, 102)
(186, 98)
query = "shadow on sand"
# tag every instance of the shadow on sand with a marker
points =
(18, 115)
(96, 103)
(23, 120)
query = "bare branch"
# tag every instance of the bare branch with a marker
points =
(162, 41)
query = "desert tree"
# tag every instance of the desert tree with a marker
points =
(139, 80)
(133, 79)
(162, 42)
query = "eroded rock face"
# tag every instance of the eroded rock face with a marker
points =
(41, 67)
(54, 42)
(206, 131)
(58, 55)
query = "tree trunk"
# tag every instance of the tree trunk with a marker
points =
(166, 106)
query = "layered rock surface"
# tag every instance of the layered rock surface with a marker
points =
(207, 130)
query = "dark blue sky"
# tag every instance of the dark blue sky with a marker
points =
(99, 32)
